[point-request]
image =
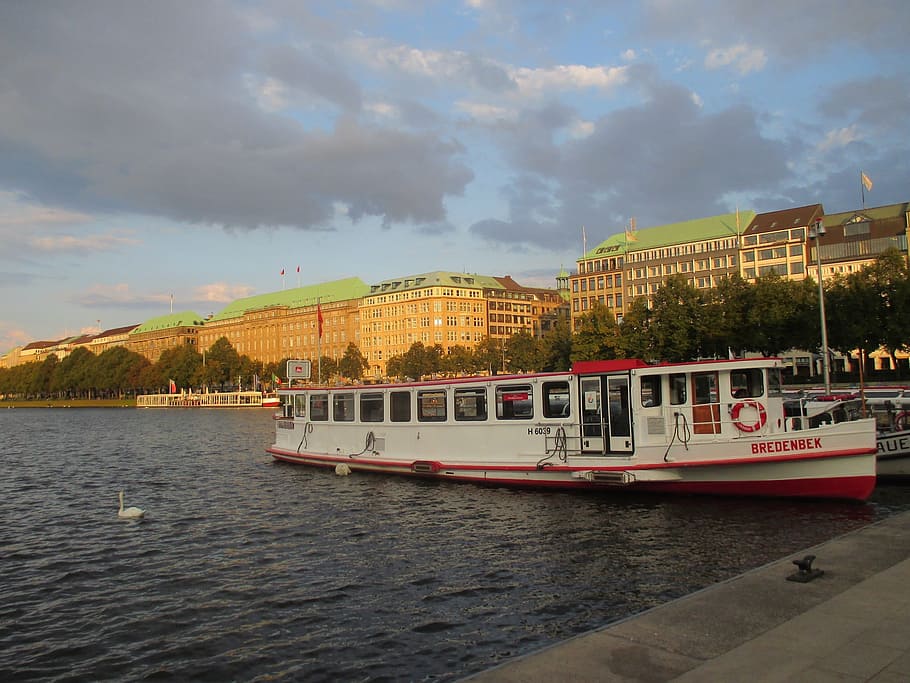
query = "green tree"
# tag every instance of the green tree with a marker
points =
(523, 353)
(784, 315)
(556, 348)
(222, 364)
(889, 279)
(635, 340)
(353, 363)
(725, 323)
(596, 335)
(489, 355)
(183, 364)
(459, 360)
(677, 314)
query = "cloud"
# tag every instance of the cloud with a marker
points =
(181, 114)
(221, 292)
(84, 244)
(742, 58)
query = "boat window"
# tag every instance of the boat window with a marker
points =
(400, 406)
(319, 407)
(556, 399)
(431, 405)
(300, 405)
(471, 404)
(371, 407)
(650, 391)
(343, 407)
(514, 402)
(704, 385)
(747, 383)
(677, 389)
(775, 383)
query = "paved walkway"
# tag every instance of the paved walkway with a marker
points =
(851, 624)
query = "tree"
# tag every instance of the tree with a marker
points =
(353, 364)
(183, 364)
(489, 355)
(635, 340)
(523, 353)
(888, 277)
(725, 324)
(556, 348)
(596, 335)
(222, 363)
(784, 315)
(677, 315)
(459, 360)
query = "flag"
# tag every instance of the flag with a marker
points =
(275, 379)
(319, 319)
(298, 269)
(631, 236)
(282, 271)
(172, 387)
(867, 181)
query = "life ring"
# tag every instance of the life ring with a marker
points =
(747, 426)
(901, 421)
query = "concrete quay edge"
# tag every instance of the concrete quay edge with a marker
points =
(850, 624)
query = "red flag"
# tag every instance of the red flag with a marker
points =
(298, 269)
(282, 271)
(319, 319)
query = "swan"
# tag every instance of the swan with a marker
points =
(129, 512)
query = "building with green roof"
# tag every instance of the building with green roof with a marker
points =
(156, 335)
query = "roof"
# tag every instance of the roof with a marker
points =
(434, 279)
(726, 225)
(170, 321)
(798, 217)
(876, 213)
(298, 297)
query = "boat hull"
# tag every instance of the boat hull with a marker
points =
(842, 476)
(894, 454)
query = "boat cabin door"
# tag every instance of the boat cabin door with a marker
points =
(605, 414)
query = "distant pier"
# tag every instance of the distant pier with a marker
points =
(228, 399)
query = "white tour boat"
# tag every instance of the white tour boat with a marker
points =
(715, 427)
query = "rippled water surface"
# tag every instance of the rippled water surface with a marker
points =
(247, 569)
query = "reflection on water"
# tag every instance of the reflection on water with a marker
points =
(247, 569)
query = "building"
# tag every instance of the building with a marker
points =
(449, 309)
(854, 239)
(634, 263)
(156, 335)
(779, 242)
(279, 325)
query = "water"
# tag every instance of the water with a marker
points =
(248, 569)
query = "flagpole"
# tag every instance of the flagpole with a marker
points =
(318, 345)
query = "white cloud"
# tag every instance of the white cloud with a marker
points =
(629, 55)
(741, 57)
(221, 292)
(568, 77)
(581, 128)
(840, 137)
(82, 244)
(486, 113)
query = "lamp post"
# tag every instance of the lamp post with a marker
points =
(816, 233)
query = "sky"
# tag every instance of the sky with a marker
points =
(174, 155)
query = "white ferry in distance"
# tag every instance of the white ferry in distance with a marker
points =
(714, 427)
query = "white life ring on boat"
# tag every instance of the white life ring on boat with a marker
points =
(901, 421)
(749, 426)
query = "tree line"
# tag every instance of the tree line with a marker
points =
(865, 311)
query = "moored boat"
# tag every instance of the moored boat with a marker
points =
(715, 427)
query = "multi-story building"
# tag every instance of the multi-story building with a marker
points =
(108, 339)
(278, 325)
(854, 239)
(635, 263)
(779, 242)
(156, 335)
(448, 309)
(514, 309)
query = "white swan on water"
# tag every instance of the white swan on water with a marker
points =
(129, 512)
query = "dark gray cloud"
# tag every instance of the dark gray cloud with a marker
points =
(111, 106)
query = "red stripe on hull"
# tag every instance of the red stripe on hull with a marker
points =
(857, 488)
